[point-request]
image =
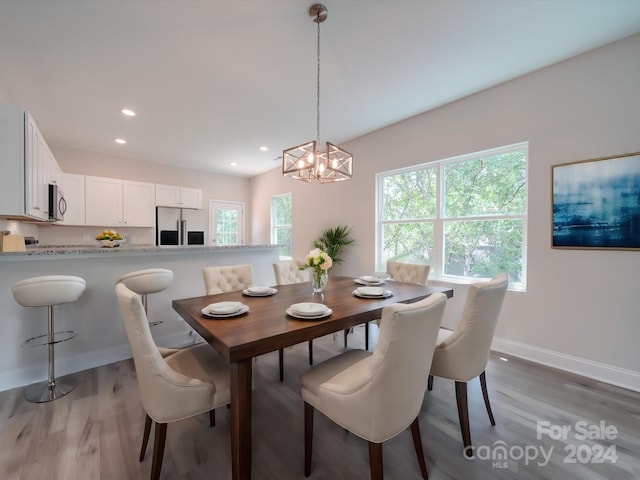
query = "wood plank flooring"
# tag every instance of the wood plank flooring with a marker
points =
(95, 432)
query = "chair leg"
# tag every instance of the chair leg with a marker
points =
(463, 415)
(310, 352)
(485, 394)
(281, 358)
(346, 332)
(145, 436)
(375, 461)
(366, 335)
(308, 437)
(158, 450)
(430, 383)
(212, 418)
(417, 443)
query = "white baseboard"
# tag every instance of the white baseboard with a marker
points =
(580, 366)
(19, 377)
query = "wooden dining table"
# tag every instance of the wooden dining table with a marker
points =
(266, 327)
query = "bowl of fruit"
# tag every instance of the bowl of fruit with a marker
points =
(110, 238)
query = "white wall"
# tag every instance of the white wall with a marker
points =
(580, 311)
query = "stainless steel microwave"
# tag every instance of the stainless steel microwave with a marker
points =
(57, 203)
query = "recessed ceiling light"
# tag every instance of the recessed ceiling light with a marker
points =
(128, 113)
(264, 148)
(121, 141)
(233, 164)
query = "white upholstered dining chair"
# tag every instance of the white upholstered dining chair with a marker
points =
(408, 272)
(287, 272)
(191, 381)
(400, 272)
(227, 278)
(462, 354)
(376, 395)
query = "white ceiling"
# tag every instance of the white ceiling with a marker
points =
(213, 80)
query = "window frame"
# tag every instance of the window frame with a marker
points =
(439, 221)
(274, 227)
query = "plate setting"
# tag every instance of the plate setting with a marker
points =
(372, 292)
(256, 291)
(369, 280)
(224, 309)
(309, 311)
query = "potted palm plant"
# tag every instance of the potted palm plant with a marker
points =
(333, 240)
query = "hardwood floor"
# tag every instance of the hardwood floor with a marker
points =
(95, 432)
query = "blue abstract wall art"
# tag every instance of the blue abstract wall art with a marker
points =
(596, 203)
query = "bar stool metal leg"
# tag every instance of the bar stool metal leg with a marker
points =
(144, 304)
(51, 389)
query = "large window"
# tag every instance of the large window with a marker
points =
(465, 216)
(281, 223)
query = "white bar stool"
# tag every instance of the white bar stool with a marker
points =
(47, 291)
(143, 282)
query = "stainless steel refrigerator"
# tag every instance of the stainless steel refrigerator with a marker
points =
(180, 226)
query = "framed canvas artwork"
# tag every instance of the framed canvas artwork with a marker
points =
(596, 203)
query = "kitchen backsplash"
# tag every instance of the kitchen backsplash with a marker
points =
(19, 228)
(66, 235)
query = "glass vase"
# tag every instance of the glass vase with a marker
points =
(319, 280)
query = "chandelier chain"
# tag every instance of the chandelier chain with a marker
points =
(318, 86)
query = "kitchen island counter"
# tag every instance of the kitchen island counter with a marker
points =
(41, 251)
(95, 317)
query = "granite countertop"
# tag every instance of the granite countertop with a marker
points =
(60, 250)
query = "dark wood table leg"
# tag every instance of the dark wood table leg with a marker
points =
(241, 420)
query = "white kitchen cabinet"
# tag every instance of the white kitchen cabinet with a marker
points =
(28, 166)
(73, 188)
(180, 197)
(113, 202)
(36, 162)
(138, 204)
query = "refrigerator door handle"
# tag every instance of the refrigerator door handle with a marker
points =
(183, 232)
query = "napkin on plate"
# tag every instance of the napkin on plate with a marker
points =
(371, 291)
(259, 290)
(223, 308)
(370, 279)
(309, 309)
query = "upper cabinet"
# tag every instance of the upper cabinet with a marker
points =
(73, 188)
(28, 166)
(112, 202)
(180, 197)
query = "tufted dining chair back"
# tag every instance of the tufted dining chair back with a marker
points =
(408, 272)
(227, 278)
(287, 272)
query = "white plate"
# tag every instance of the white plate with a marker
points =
(309, 309)
(222, 308)
(370, 279)
(260, 291)
(240, 311)
(324, 314)
(378, 281)
(358, 292)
